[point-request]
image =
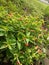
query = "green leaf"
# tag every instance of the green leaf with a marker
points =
(27, 34)
(1, 34)
(19, 45)
(27, 40)
(2, 45)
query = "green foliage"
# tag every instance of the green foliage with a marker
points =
(22, 37)
(47, 11)
(33, 7)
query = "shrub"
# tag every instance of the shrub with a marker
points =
(22, 37)
(33, 7)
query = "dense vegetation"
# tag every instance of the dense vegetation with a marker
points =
(29, 7)
(24, 36)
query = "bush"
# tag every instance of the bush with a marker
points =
(24, 7)
(22, 37)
